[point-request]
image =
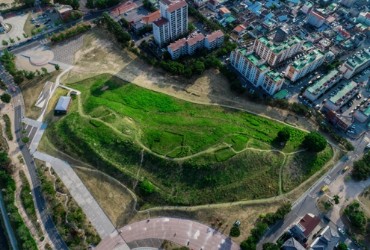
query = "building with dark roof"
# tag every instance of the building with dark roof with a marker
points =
(327, 240)
(303, 229)
(292, 244)
(62, 106)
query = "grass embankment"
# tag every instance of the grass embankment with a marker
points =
(118, 118)
(71, 223)
(8, 127)
(301, 166)
(28, 204)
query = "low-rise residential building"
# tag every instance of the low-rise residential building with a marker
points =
(323, 84)
(212, 5)
(62, 105)
(292, 244)
(315, 19)
(304, 228)
(327, 239)
(356, 63)
(304, 65)
(214, 40)
(363, 113)
(224, 12)
(254, 69)
(64, 11)
(306, 7)
(277, 49)
(343, 96)
(196, 41)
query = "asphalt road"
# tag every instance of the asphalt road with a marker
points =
(307, 202)
(38, 198)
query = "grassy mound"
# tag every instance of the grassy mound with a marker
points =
(223, 163)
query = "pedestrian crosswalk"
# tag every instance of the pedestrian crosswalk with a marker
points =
(44, 41)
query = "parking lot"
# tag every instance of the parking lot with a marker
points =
(43, 21)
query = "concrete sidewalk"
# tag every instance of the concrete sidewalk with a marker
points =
(79, 192)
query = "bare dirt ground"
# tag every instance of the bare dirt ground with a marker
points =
(31, 90)
(111, 195)
(221, 219)
(8, 4)
(100, 55)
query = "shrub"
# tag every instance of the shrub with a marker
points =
(25, 140)
(235, 231)
(146, 187)
(361, 168)
(314, 142)
(6, 97)
(8, 127)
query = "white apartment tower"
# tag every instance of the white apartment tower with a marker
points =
(173, 22)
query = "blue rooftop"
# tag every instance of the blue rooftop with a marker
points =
(63, 103)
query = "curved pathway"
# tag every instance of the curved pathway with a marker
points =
(183, 232)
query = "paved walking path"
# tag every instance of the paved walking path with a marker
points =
(188, 233)
(79, 192)
(37, 138)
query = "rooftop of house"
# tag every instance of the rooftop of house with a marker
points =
(275, 76)
(224, 10)
(278, 47)
(358, 59)
(307, 59)
(308, 223)
(195, 38)
(345, 93)
(214, 35)
(239, 28)
(328, 239)
(63, 103)
(151, 17)
(323, 82)
(292, 244)
(177, 44)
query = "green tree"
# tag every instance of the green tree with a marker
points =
(283, 135)
(314, 142)
(342, 246)
(90, 4)
(249, 244)
(336, 199)
(191, 27)
(235, 231)
(75, 4)
(270, 246)
(44, 70)
(6, 97)
(198, 67)
(57, 67)
(356, 215)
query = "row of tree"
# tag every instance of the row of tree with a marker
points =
(122, 36)
(101, 4)
(74, 31)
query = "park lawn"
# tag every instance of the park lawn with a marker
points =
(165, 123)
(118, 115)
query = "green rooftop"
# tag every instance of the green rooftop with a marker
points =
(345, 90)
(277, 47)
(282, 94)
(274, 76)
(318, 84)
(308, 59)
(358, 59)
(367, 111)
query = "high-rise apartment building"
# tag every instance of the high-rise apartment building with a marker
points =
(173, 22)
(277, 49)
(256, 71)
